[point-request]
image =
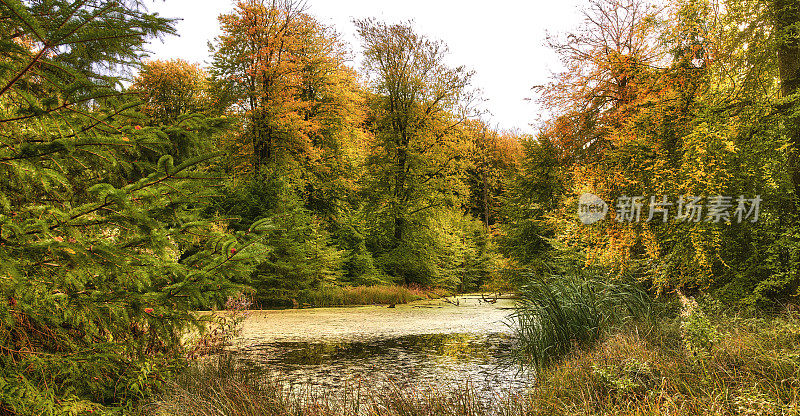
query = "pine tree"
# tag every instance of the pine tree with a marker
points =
(96, 282)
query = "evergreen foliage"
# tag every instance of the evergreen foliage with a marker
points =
(128, 204)
(96, 209)
(301, 255)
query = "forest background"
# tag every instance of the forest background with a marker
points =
(280, 171)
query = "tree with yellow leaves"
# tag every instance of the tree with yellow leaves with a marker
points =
(283, 72)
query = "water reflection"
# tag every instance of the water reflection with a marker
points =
(420, 361)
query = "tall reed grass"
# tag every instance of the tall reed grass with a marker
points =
(557, 313)
(361, 295)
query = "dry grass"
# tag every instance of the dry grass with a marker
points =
(751, 368)
(364, 295)
(741, 367)
(218, 387)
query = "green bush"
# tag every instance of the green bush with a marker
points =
(699, 335)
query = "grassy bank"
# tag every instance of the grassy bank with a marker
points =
(360, 295)
(342, 296)
(605, 347)
(690, 366)
(682, 365)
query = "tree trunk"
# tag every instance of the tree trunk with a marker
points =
(787, 19)
(399, 189)
(263, 142)
(485, 199)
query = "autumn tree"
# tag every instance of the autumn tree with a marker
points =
(417, 105)
(493, 158)
(691, 110)
(605, 70)
(609, 70)
(283, 71)
(293, 159)
(176, 96)
(171, 89)
(284, 75)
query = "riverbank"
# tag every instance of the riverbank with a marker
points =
(723, 365)
(333, 296)
(359, 295)
(689, 365)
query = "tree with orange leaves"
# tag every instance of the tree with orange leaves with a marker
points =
(607, 64)
(627, 125)
(686, 99)
(171, 88)
(283, 71)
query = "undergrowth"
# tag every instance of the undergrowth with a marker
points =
(661, 367)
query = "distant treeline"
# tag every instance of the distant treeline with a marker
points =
(125, 204)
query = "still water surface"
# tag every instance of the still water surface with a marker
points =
(425, 344)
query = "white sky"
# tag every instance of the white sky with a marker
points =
(501, 40)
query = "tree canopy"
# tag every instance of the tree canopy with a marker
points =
(136, 192)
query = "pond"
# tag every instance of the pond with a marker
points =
(426, 344)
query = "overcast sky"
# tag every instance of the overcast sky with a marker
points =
(501, 40)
